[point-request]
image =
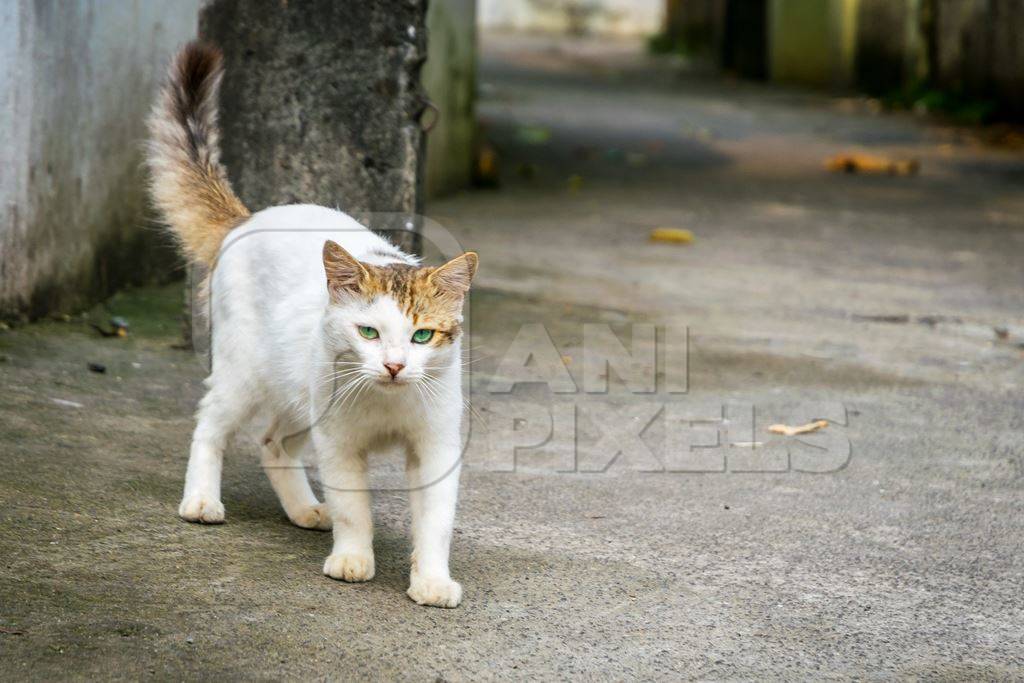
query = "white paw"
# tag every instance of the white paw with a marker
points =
(199, 508)
(313, 517)
(349, 566)
(435, 592)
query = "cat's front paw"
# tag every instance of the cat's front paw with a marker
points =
(313, 517)
(350, 567)
(435, 592)
(199, 508)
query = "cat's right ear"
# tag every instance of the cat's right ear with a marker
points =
(344, 273)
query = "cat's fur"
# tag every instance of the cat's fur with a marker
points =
(290, 288)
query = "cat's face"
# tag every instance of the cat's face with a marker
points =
(394, 325)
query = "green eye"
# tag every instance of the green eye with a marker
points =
(422, 336)
(368, 332)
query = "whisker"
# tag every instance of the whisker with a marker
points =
(474, 413)
(348, 390)
(431, 390)
(365, 382)
(423, 400)
(339, 375)
(344, 370)
(434, 384)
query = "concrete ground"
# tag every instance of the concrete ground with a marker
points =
(888, 544)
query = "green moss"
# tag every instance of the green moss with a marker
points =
(957, 106)
(64, 345)
(664, 43)
(661, 44)
(151, 311)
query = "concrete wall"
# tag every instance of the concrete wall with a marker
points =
(76, 81)
(971, 47)
(449, 77)
(697, 25)
(616, 17)
(980, 50)
(882, 43)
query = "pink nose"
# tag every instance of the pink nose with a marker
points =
(394, 368)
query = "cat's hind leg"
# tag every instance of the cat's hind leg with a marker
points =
(219, 416)
(281, 457)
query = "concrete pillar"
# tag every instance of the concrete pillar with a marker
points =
(891, 45)
(812, 41)
(321, 102)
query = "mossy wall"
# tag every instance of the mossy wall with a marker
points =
(965, 50)
(449, 77)
(979, 51)
(812, 41)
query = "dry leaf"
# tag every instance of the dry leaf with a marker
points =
(672, 235)
(786, 430)
(864, 163)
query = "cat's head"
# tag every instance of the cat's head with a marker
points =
(396, 324)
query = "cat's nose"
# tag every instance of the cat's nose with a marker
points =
(394, 368)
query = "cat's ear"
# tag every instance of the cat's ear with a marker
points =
(454, 277)
(344, 272)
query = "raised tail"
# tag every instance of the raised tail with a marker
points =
(188, 183)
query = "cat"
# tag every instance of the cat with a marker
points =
(325, 336)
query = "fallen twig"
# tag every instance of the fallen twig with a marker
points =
(787, 430)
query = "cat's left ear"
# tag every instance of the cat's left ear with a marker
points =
(454, 277)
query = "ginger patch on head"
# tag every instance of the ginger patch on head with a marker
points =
(431, 297)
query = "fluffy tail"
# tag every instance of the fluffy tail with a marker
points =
(189, 185)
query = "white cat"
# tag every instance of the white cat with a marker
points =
(344, 344)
